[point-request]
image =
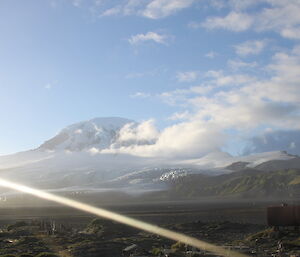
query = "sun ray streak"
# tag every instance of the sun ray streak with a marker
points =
(122, 219)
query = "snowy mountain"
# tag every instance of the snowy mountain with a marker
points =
(100, 133)
(66, 162)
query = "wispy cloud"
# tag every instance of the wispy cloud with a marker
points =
(162, 8)
(153, 9)
(112, 11)
(133, 75)
(288, 140)
(245, 104)
(149, 36)
(250, 47)
(238, 64)
(281, 16)
(218, 4)
(292, 33)
(76, 3)
(187, 76)
(242, 102)
(179, 116)
(146, 73)
(243, 4)
(235, 21)
(234, 4)
(140, 95)
(211, 54)
(219, 79)
(48, 86)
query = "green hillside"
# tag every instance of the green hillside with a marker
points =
(243, 184)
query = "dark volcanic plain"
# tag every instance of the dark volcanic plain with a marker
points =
(157, 212)
(238, 225)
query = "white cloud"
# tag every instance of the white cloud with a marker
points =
(250, 47)
(99, 2)
(219, 79)
(223, 102)
(179, 116)
(292, 33)
(140, 95)
(133, 7)
(211, 54)
(162, 8)
(187, 76)
(243, 4)
(174, 97)
(232, 80)
(183, 140)
(153, 9)
(78, 131)
(112, 11)
(181, 96)
(194, 25)
(202, 89)
(237, 64)
(149, 36)
(277, 140)
(245, 103)
(218, 4)
(76, 3)
(234, 4)
(53, 3)
(134, 75)
(235, 21)
(144, 133)
(281, 16)
(48, 86)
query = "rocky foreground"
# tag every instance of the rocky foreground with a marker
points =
(49, 238)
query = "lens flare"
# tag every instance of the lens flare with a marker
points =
(123, 219)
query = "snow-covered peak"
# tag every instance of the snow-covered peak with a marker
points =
(105, 122)
(99, 133)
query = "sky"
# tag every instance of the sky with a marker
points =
(212, 74)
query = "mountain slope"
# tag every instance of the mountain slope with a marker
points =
(274, 165)
(249, 183)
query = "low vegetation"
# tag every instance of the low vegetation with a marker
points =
(249, 183)
(104, 238)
